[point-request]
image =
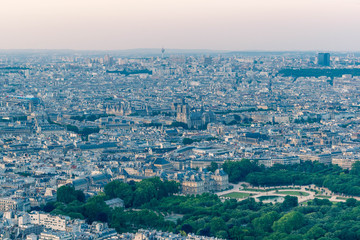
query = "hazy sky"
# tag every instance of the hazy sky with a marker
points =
(330, 25)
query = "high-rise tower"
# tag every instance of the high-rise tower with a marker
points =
(323, 59)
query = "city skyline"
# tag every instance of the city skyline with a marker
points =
(179, 120)
(259, 25)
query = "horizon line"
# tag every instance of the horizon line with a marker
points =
(171, 49)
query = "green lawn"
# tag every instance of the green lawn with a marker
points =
(237, 195)
(341, 198)
(253, 190)
(313, 190)
(322, 196)
(294, 193)
(284, 188)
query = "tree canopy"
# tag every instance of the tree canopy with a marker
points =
(152, 204)
(305, 173)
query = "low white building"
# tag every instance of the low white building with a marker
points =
(55, 236)
(115, 202)
(49, 221)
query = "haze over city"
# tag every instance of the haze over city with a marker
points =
(280, 25)
(180, 120)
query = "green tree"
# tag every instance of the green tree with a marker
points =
(88, 131)
(355, 169)
(222, 234)
(145, 191)
(67, 194)
(351, 202)
(72, 128)
(289, 202)
(187, 228)
(79, 195)
(213, 166)
(49, 206)
(117, 189)
(179, 124)
(75, 215)
(187, 141)
(315, 232)
(119, 220)
(290, 221)
(238, 170)
(320, 202)
(171, 187)
(238, 233)
(264, 223)
(96, 209)
(217, 224)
